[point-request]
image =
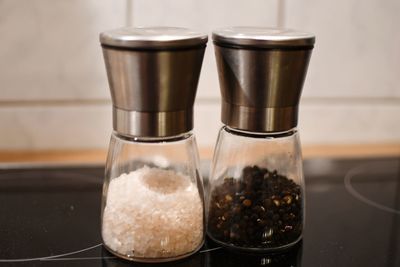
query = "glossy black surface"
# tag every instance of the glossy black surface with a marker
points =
(48, 215)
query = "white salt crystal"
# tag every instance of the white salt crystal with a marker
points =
(153, 213)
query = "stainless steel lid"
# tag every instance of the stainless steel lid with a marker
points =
(261, 74)
(263, 37)
(153, 75)
(153, 38)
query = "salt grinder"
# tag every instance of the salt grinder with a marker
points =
(152, 207)
(256, 187)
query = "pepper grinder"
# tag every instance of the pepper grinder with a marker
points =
(256, 186)
(152, 204)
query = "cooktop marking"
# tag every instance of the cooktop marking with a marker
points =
(79, 258)
(208, 250)
(349, 187)
(51, 257)
(60, 256)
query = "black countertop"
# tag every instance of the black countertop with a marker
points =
(51, 217)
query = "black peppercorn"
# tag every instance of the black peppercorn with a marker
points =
(260, 209)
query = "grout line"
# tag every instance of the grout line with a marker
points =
(54, 102)
(208, 100)
(281, 11)
(325, 100)
(351, 100)
(129, 13)
(201, 100)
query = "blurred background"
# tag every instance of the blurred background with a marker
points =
(54, 94)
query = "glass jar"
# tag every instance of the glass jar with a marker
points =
(256, 190)
(256, 184)
(152, 208)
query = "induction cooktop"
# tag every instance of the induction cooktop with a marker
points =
(50, 216)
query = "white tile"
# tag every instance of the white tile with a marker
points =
(50, 49)
(208, 87)
(83, 127)
(321, 123)
(350, 123)
(207, 122)
(205, 15)
(65, 127)
(357, 49)
(80, 127)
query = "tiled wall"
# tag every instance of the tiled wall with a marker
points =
(54, 92)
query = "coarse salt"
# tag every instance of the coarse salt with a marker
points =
(153, 213)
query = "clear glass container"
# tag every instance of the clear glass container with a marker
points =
(152, 205)
(256, 190)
